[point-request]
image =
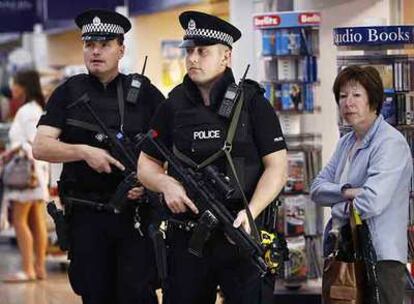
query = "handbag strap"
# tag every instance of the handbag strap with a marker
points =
(355, 221)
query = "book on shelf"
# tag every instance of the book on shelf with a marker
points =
(409, 108)
(289, 41)
(296, 268)
(287, 69)
(389, 109)
(296, 172)
(290, 96)
(314, 257)
(270, 69)
(386, 72)
(294, 213)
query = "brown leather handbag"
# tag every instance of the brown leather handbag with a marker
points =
(343, 281)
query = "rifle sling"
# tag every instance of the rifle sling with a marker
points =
(121, 104)
(227, 147)
(83, 125)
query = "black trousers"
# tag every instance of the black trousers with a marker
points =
(110, 263)
(391, 281)
(194, 280)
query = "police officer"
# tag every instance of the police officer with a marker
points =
(110, 262)
(191, 125)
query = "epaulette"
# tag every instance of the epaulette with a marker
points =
(254, 85)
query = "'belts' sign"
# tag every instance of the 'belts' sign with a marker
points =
(373, 35)
(286, 19)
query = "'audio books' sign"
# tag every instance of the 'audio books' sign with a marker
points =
(373, 35)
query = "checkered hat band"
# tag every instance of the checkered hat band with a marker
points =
(102, 28)
(207, 33)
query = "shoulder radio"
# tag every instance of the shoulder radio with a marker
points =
(231, 96)
(137, 82)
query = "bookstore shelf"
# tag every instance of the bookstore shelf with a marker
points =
(268, 81)
(288, 71)
(316, 109)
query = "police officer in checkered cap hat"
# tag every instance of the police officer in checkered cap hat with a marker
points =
(98, 24)
(111, 255)
(194, 123)
(204, 29)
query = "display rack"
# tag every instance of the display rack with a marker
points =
(288, 71)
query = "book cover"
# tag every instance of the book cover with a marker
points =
(296, 268)
(387, 74)
(389, 109)
(268, 42)
(286, 98)
(293, 41)
(283, 42)
(296, 172)
(286, 69)
(294, 210)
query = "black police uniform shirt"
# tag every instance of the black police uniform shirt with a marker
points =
(198, 131)
(104, 102)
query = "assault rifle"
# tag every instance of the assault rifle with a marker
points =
(121, 148)
(206, 187)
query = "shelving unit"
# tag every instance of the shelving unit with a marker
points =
(288, 71)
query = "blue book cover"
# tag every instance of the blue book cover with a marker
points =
(308, 99)
(278, 42)
(293, 43)
(284, 42)
(389, 109)
(286, 98)
(268, 42)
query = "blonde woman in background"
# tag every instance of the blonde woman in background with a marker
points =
(28, 210)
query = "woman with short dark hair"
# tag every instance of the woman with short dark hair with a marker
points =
(372, 166)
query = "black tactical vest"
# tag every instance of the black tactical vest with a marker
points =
(199, 132)
(105, 104)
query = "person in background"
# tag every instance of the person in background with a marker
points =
(371, 166)
(190, 122)
(28, 209)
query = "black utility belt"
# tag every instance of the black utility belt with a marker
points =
(83, 204)
(185, 225)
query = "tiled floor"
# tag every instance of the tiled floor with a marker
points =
(54, 290)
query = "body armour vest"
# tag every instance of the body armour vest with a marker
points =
(199, 132)
(106, 106)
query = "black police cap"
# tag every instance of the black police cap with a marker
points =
(98, 24)
(204, 29)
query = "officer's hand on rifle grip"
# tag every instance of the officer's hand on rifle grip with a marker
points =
(99, 159)
(243, 221)
(135, 193)
(175, 196)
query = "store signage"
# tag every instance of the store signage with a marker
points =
(373, 35)
(18, 15)
(288, 19)
(65, 10)
(266, 21)
(151, 6)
